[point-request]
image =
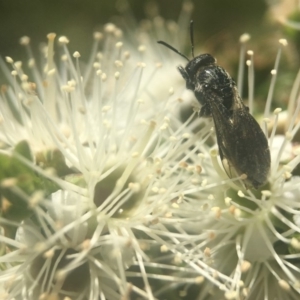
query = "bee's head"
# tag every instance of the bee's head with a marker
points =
(197, 63)
(193, 66)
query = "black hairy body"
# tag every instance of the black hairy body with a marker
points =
(242, 143)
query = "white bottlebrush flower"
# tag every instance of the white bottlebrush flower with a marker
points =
(141, 206)
(117, 153)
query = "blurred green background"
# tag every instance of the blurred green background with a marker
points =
(77, 19)
(218, 26)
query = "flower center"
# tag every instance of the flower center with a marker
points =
(118, 201)
(47, 269)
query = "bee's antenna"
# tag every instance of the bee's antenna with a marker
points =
(173, 49)
(192, 36)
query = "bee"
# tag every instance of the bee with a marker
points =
(241, 141)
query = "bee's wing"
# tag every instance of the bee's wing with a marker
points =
(241, 141)
(251, 149)
(223, 128)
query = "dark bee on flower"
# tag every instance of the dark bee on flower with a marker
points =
(242, 143)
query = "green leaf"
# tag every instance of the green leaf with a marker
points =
(53, 159)
(18, 183)
(23, 149)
